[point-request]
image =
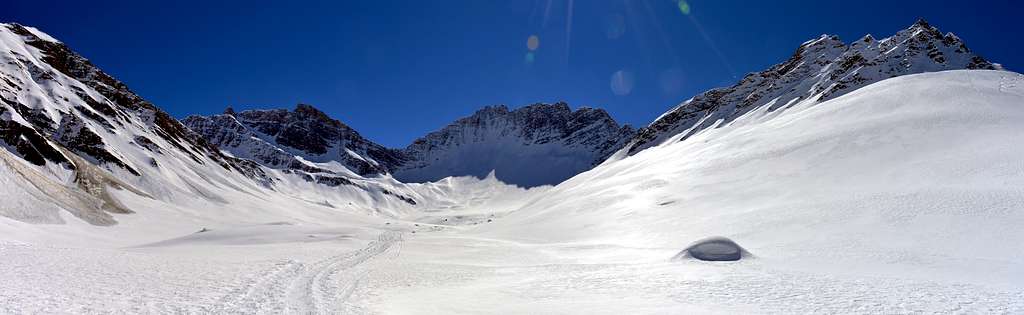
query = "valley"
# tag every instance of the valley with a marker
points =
(857, 185)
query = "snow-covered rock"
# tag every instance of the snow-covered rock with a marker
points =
(715, 248)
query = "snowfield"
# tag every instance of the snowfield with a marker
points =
(906, 196)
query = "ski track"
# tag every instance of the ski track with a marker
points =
(321, 287)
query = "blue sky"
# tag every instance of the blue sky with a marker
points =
(395, 70)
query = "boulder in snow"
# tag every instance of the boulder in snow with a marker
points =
(714, 249)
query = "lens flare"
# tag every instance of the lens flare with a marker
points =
(529, 58)
(533, 42)
(622, 82)
(684, 7)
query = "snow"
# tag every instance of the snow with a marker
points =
(526, 165)
(900, 197)
(41, 35)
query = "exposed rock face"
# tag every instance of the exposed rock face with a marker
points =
(75, 135)
(51, 97)
(73, 123)
(279, 138)
(821, 69)
(533, 145)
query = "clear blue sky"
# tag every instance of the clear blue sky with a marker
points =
(395, 70)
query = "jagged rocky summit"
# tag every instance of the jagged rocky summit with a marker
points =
(300, 139)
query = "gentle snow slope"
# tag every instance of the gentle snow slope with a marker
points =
(903, 197)
(919, 174)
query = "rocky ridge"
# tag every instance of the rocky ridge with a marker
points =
(821, 69)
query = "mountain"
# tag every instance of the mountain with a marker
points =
(74, 123)
(55, 99)
(545, 144)
(539, 144)
(75, 139)
(85, 136)
(899, 196)
(298, 139)
(819, 70)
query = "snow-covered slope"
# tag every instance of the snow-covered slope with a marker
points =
(902, 196)
(820, 69)
(469, 200)
(540, 144)
(917, 176)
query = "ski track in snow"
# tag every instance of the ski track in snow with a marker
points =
(321, 287)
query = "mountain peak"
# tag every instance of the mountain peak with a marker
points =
(275, 137)
(492, 109)
(537, 144)
(921, 29)
(309, 112)
(308, 109)
(922, 23)
(824, 40)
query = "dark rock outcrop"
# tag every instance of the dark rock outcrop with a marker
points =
(111, 106)
(277, 138)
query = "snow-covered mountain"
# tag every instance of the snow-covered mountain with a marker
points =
(72, 123)
(73, 137)
(549, 143)
(75, 124)
(294, 140)
(54, 99)
(821, 69)
(540, 144)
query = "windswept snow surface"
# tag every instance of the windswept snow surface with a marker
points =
(905, 196)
